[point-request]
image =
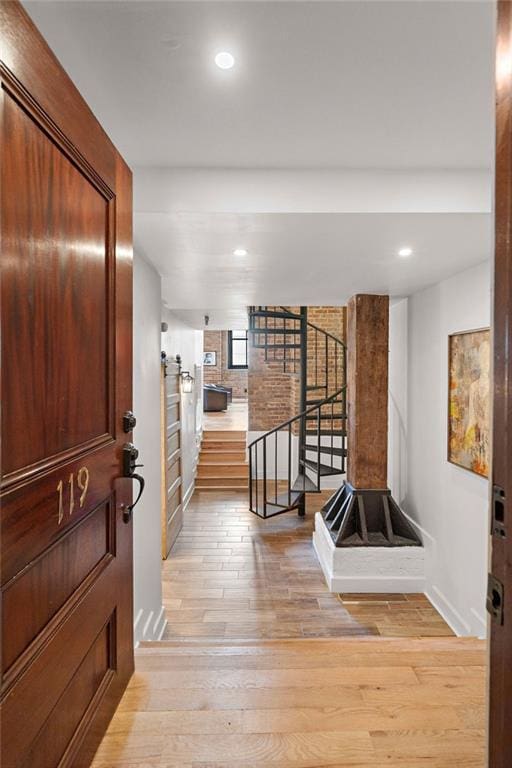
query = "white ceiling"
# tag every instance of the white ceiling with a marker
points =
(306, 255)
(392, 100)
(317, 84)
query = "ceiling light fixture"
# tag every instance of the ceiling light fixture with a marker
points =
(224, 60)
(404, 252)
(239, 252)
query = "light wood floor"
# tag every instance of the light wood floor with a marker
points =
(235, 418)
(360, 702)
(219, 694)
(232, 575)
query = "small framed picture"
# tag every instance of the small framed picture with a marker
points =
(209, 358)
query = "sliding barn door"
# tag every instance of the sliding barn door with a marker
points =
(172, 507)
(66, 294)
(500, 580)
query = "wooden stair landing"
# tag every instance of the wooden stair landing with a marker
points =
(223, 461)
(302, 703)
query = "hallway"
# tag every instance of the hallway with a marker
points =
(261, 667)
(232, 575)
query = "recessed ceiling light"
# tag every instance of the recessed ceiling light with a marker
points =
(405, 252)
(239, 252)
(224, 60)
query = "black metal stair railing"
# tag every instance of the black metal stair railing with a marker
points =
(289, 461)
(282, 468)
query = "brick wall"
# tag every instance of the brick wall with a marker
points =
(217, 341)
(274, 395)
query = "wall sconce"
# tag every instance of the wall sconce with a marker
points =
(187, 381)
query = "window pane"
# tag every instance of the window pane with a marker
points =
(239, 352)
(239, 334)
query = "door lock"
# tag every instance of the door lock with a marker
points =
(130, 456)
(129, 421)
(495, 598)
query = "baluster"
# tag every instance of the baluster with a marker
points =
(250, 479)
(326, 366)
(275, 466)
(257, 479)
(265, 476)
(332, 432)
(289, 464)
(318, 440)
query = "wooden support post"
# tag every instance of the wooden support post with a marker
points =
(362, 512)
(367, 390)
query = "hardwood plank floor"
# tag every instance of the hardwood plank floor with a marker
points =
(232, 575)
(261, 667)
(368, 701)
(235, 418)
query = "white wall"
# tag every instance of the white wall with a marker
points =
(183, 340)
(148, 609)
(449, 504)
(398, 393)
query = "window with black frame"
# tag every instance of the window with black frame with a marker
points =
(237, 349)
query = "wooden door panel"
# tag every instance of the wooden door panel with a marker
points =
(57, 252)
(66, 296)
(47, 584)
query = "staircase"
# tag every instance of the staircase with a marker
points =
(290, 460)
(222, 461)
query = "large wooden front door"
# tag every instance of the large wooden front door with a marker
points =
(500, 586)
(66, 295)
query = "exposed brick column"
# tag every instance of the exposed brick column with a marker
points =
(367, 390)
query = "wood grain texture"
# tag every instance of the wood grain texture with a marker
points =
(66, 555)
(367, 390)
(500, 704)
(232, 575)
(287, 704)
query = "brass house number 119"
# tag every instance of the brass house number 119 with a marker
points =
(82, 481)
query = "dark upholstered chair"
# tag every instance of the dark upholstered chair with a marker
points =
(214, 398)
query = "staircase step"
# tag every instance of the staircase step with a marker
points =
(324, 469)
(274, 313)
(222, 457)
(327, 432)
(281, 505)
(224, 434)
(221, 484)
(222, 470)
(324, 417)
(326, 449)
(305, 484)
(277, 346)
(223, 445)
(270, 330)
(318, 400)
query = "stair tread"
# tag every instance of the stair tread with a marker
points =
(305, 484)
(325, 469)
(274, 313)
(326, 449)
(327, 432)
(324, 417)
(270, 330)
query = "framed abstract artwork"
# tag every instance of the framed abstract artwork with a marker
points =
(469, 358)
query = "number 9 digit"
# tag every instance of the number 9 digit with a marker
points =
(83, 483)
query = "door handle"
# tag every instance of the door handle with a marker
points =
(130, 456)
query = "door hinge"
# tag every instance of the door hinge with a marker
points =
(495, 598)
(498, 512)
